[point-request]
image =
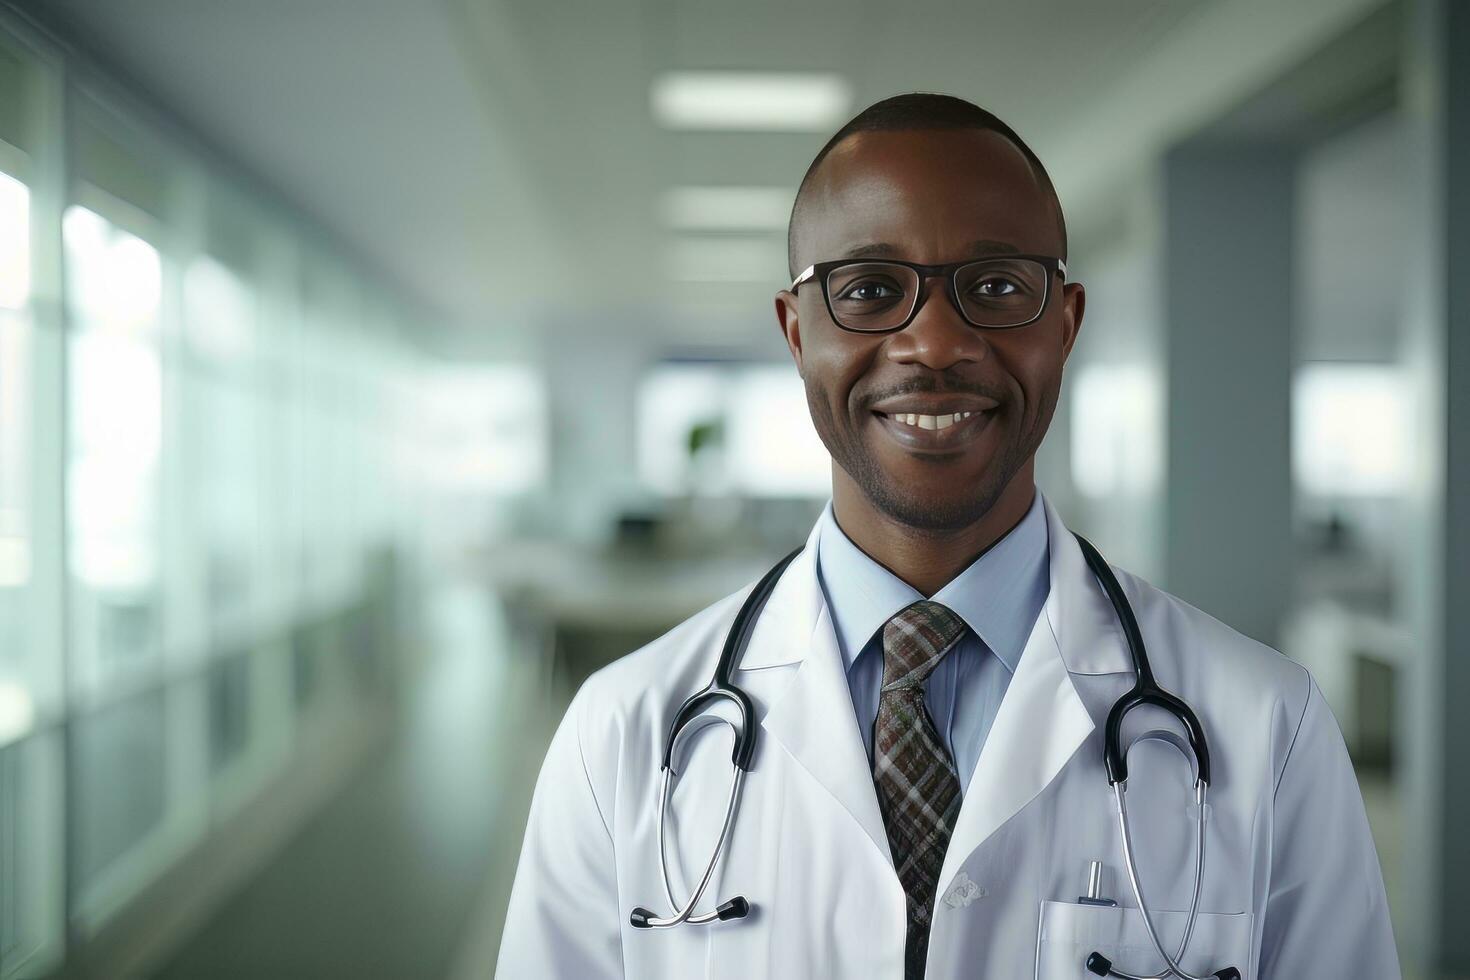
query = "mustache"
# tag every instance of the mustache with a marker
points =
(929, 385)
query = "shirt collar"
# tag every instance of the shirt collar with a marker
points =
(999, 595)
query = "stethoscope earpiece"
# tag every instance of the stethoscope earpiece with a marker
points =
(735, 908)
(1102, 966)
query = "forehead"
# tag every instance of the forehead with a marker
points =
(929, 193)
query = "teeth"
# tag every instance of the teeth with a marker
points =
(931, 421)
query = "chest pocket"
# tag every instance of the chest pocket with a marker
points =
(1070, 932)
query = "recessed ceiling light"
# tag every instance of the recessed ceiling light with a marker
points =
(727, 208)
(748, 100)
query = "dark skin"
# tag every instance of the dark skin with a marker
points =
(925, 505)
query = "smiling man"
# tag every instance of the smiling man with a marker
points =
(931, 786)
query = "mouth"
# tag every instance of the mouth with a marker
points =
(943, 431)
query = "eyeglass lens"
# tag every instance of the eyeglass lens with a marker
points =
(993, 293)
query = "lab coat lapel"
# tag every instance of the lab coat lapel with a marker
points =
(1083, 620)
(813, 718)
(1041, 722)
(1042, 719)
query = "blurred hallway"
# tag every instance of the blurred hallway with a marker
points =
(370, 373)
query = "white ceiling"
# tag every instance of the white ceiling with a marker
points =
(498, 156)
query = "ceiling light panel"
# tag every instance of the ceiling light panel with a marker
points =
(752, 101)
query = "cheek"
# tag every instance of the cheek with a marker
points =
(832, 370)
(825, 398)
(1035, 364)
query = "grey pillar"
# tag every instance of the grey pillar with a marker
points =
(1228, 300)
(1436, 572)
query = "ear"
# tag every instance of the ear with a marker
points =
(1074, 301)
(789, 320)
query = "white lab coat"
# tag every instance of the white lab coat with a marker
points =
(1292, 887)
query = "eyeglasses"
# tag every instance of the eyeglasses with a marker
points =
(868, 296)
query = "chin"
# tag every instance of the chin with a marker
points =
(911, 506)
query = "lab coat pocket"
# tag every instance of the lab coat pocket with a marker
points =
(1071, 932)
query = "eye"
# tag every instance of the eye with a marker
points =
(994, 286)
(869, 289)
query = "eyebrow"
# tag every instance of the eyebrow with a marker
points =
(982, 246)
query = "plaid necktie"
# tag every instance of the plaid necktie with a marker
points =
(918, 788)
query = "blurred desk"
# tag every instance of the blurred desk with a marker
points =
(1357, 659)
(581, 609)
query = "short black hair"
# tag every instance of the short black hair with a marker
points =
(915, 111)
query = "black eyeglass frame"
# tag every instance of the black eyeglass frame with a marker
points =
(821, 271)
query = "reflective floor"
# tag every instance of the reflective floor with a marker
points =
(406, 873)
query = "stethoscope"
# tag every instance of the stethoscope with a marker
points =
(691, 718)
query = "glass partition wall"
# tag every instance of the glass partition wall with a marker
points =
(202, 526)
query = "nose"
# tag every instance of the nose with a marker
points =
(938, 336)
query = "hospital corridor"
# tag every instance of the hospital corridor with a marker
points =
(374, 374)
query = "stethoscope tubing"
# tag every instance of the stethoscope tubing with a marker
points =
(737, 907)
(685, 913)
(1171, 964)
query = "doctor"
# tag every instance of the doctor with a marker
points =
(932, 672)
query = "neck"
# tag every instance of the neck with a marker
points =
(923, 558)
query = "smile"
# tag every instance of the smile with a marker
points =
(930, 421)
(947, 431)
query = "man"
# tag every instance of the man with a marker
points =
(932, 673)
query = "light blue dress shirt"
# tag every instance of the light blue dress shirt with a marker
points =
(999, 595)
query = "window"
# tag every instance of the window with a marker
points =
(15, 244)
(1117, 439)
(485, 429)
(741, 428)
(1348, 424)
(223, 424)
(115, 392)
(17, 653)
(201, 419)
(14, 383)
